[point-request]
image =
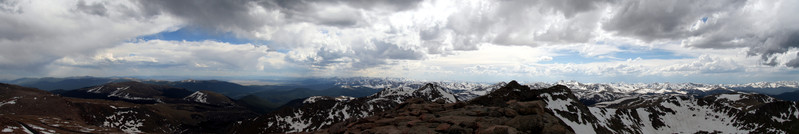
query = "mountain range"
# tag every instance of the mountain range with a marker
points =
(389, 105)
(128, 107)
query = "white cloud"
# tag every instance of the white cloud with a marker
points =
(37, 33)
(166, 56)
(421, 39)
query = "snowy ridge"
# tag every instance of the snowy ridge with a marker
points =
(197, 97)
(637, 88)
(434, 93)
(119, 92)
(313, 99)
(319, 112)
(344, 98)
(724, 113)
(778, 84)
(462, 90)
(598, 92)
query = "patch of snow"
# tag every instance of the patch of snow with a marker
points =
(12, 101)
(197, 97)
(344, 98)
(313, 99)
(96, 89)
(563, 105)
(9, 129)
(124, 120)
(778, 119)
(86, 130)
(617, 101)
(41, 129)
(730, 97)
(26, 130)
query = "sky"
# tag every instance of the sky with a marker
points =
(712, 41)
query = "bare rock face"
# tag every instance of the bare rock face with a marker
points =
(503, 115)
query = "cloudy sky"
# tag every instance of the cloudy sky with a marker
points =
(712, 41)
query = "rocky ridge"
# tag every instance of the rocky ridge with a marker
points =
(314, 113)
(506, 110)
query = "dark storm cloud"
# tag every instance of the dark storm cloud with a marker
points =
(212, 14)
(571, 7)
(235, 13)
(663, 19)
(92, 8)
(368, 57)
(779, 43)
(794, 63)
(724, 25)
(10, 6)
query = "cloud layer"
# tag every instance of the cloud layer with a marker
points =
(377, 37)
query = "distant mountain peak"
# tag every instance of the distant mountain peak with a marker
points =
(432, 92)
(209, 97)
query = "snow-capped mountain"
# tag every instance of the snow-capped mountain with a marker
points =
(462, 90)
(778, 84)
(587, 92)
(209, 97)
(318, 112)
(734, 112)
(590, 93)
(720, 113)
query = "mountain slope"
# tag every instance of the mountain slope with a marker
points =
(725, 113)
(257, 104)
(789, 96)
(656, 112)
(27, 109)
(209, 97)
(509, 109)
(320, 112)
(131, 91)
(67, 83)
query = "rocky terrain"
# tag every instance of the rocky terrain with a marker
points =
(506, 110)
(27, 109)
(404, 106)
(319, 112)
(558, 106)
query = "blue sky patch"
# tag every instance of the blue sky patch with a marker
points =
(194, 34)
(628, 52)
(573, 57)
(646, 53)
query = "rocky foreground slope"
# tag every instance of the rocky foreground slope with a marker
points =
(123, 108)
